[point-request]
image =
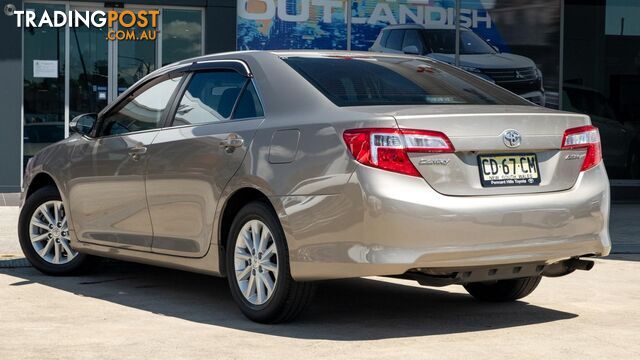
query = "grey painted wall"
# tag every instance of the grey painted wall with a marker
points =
(10, 101)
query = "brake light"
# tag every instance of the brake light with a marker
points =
(584, 137)
(388, 149)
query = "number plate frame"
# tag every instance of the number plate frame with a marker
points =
(531, 181)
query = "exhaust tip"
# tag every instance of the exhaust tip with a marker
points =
(580, 264)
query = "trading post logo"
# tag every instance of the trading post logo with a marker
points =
(122, 25)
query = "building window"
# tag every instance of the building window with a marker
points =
(44, 83)
(181, 34)
(98, 69)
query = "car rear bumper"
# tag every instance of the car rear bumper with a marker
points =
(387, 224)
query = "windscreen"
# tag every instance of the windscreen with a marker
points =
(443, 41)
(375, 80)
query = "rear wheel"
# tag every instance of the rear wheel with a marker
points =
(503, 290)
(43, 230)
(257, 264)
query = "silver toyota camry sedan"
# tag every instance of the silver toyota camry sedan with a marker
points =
(276, 169)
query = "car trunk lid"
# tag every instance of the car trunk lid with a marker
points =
(478, 133)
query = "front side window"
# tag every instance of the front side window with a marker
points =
(395, 39)
(375, 80)
(412, 38)
(143, 112)
(212, 96)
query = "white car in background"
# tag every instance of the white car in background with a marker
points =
(516, 73)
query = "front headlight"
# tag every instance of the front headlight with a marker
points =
(477, 72)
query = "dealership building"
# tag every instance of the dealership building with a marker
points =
(575, 55)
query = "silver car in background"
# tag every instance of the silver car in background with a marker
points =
(515, 73)
(276, 169)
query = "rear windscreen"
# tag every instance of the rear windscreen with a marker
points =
(362, 81)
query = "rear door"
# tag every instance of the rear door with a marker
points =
(212, 125)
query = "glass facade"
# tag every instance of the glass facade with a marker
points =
(181, 35)
(602, 76)
(576, 55)
(88, 70)
(98, 69)
(44, 84)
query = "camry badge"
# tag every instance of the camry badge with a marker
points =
(444, 162)
(511, 138)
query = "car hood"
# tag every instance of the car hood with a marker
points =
(487, 61)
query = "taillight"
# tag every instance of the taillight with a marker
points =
(584, 137)
(388, 148)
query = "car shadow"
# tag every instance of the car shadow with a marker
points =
(354, 309)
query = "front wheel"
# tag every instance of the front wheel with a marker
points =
(257, 264)
(503, 290)
(43, 230)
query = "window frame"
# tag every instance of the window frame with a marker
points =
(169, 120)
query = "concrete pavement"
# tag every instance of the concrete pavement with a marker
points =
(131, 311)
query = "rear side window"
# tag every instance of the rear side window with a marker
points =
(413, 38)
(249, 104)
(209, 97)
(377, 80)
(395, 39)
(383, 39)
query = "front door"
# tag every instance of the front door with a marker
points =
(107, 191)
(195, 157)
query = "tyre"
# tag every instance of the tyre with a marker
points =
(257, 264)
(503, 290)
(43, 231)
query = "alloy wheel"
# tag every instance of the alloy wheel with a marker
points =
(49, 233)
(256, 262)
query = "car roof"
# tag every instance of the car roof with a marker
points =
(243, 54)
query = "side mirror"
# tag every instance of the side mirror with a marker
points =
(83, 124)
(411, 49)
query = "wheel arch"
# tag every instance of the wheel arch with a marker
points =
(40, 180)
(232, 205)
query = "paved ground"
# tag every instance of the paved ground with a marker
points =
(11, 199)
(127, 311)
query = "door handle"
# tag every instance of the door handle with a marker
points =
(136, 152)
(231, 142)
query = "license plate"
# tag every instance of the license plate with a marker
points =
(508, 170)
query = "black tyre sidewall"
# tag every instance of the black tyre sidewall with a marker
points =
(271, 309)
(503, 290)
(39, 197)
